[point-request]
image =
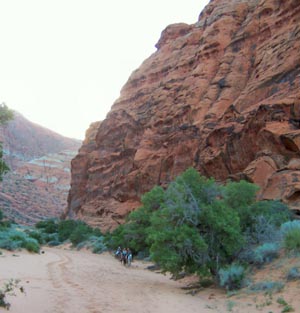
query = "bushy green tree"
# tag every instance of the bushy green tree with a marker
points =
(176, 248)
(134, 233)
(65, 229)
(5, 115)
(222, 232)
(209, 231)
(80, 233)
(199, 226)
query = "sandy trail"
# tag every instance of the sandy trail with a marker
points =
(64, 281)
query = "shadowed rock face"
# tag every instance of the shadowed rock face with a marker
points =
(221, 95)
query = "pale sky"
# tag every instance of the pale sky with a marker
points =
(64, 62)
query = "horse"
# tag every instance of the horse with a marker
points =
(123, 258)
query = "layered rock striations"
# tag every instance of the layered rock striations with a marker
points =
(221, 95)
(37, 185)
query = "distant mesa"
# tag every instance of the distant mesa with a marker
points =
(39, 180)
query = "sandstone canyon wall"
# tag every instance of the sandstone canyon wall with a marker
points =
(221, 95)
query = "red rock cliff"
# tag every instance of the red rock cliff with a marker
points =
(221, 95)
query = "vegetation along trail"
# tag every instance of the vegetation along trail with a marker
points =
(64, 281)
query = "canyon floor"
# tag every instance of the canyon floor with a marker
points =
(67, 281)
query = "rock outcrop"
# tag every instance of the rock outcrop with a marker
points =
(221, 95)
(37, 185)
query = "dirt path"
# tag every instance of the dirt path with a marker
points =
(63, 281)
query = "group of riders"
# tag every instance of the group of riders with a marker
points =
(124, 255)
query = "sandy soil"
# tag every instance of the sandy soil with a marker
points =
(64, 281)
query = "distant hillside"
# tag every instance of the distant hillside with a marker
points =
(39, 180)
(24, 140)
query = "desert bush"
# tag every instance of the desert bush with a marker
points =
(65, 229)
(94, 243)
(9, 289)
(47, 238)
(265, 253)
(263, 230)
(31, 245)
(35, 235)
(10, 245)
(293, 274)
(232, 277)
(80, 233)
(48, 226)
(292, 240)
(13, 239)
(286, 306)
(267, 286)
(274, 212)
(291, 235)
(4, 224)
(99, 246)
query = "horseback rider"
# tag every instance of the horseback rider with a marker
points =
(124, 256)
(118, 252)
(129, 256)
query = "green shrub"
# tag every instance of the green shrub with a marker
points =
(66, 228)
(36, 235)
(31, 245)
(10, 245)
(292, 240)
(16, 235)
(80, 233)
(4, 224)
(291, 235)
(287, 308)
(281, 301)
(232, 277)
(47, 238)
